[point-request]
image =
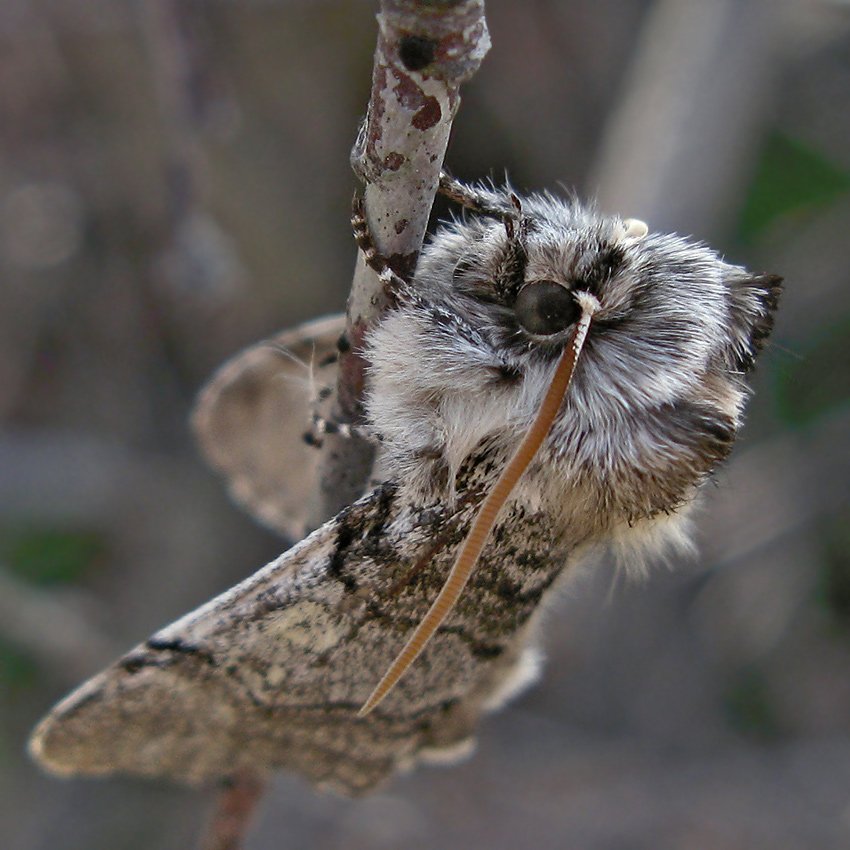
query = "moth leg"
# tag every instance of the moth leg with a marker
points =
(322, 425)
(373, 257)
(323, 422)
(470, 198)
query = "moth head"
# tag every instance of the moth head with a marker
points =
(661, 374)
(671, 309)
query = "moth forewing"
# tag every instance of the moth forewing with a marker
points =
(270, 674)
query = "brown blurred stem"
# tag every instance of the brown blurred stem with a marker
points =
(425, 51)
(176, 68)
(234, 810)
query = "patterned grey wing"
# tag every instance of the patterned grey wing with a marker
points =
(271, 673)
(251, 418)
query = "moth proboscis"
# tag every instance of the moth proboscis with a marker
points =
(272, 673)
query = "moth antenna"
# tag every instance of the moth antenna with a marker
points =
(487, 514)
(284, 352)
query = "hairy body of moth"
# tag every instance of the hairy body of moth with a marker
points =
(272, 673)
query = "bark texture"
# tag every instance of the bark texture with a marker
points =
(425, 51)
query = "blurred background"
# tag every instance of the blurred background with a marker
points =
(174, 184)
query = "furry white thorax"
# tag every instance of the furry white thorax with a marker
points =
(661, 363)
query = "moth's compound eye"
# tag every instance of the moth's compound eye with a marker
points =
(544, 307)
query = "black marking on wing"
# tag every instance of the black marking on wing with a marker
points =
(164, 653)
(351, 529)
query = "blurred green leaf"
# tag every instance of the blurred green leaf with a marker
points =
(46, 556)
(833, 591)
(17, 669)
(749, 707)
(819, 382)
(791, 177)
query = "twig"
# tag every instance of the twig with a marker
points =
(236, 805)
(196, 258)
(175, 69)
(425, 50)
(682, 137)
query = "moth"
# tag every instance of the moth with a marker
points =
(652, 335)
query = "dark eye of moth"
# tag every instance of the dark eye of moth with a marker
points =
(545, 307)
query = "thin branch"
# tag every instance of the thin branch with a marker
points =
(235, 808)
(196, 257)
(175, 68)
(684, 133)
(425, 51)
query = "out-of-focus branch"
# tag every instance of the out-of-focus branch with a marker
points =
(425, 51)
(236, 806)
(176, 72)
(197, 252)
(197, 260)
(685, 131)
